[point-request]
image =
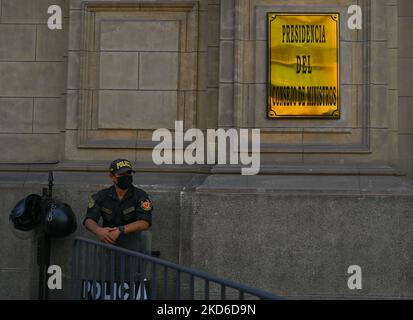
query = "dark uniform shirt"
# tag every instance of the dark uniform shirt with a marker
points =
(134, 206)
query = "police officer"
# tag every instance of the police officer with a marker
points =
(124, 209)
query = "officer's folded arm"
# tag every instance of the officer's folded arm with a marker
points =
(105, 235)
(137, 226)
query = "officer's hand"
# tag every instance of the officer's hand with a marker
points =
(114, 234)
(104, 235)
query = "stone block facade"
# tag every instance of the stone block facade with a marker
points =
(330, 192)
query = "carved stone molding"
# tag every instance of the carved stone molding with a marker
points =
(137, 65)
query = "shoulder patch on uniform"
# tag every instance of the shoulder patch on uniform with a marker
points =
(146, 205)
(92, 203)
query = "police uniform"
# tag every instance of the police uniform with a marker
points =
(114, 212)
(134, 206)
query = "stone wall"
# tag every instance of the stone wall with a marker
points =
(33, 63)
(284, 234)
(405, 93)
(137, 67)
(297, 237)
(330, 193)
(215, 76)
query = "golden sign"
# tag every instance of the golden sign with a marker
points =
(303, 66)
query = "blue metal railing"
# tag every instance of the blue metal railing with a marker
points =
(102, 271)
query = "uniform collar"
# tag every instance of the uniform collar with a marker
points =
(112, 193)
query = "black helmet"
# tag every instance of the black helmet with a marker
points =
(60, 221)
(27, 213)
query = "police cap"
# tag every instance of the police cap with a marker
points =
(120, 166)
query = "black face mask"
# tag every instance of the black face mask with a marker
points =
(125, 182)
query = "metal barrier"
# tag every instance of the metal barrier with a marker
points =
(102, 271)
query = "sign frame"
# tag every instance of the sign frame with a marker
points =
(336, 115)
